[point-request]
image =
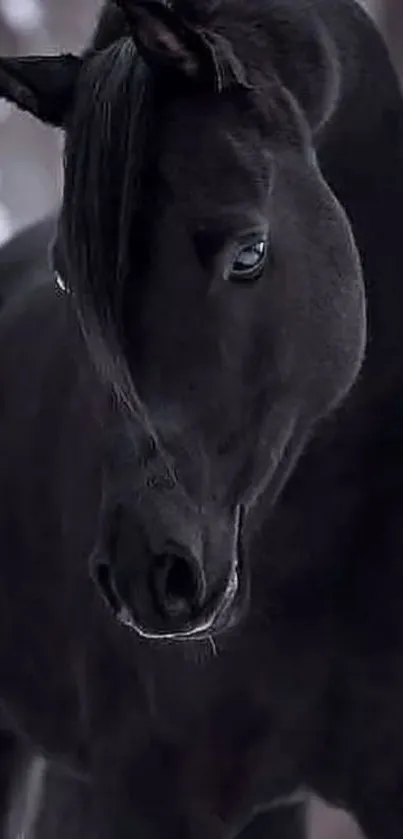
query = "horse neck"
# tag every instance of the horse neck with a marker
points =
(361, 156)
(314, 529)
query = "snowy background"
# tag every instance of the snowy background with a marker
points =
(30, 158)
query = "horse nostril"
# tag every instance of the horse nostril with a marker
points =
(177, 586)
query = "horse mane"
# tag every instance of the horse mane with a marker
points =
(104, 165)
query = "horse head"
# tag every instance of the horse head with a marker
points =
(214, 274)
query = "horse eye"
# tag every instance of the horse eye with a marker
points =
(249, 261)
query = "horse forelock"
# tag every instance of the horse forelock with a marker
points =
(108, 143)
(104, 157)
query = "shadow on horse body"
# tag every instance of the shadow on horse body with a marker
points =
(200, 440)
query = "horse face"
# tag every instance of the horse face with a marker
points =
(248, 324)
(245, 325)
(220, 291)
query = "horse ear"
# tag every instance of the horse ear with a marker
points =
(165, 40)
(42, 85)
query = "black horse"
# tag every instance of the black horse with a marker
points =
(200, 421)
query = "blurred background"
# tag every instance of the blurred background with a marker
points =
(31, 173)
(30, 159)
